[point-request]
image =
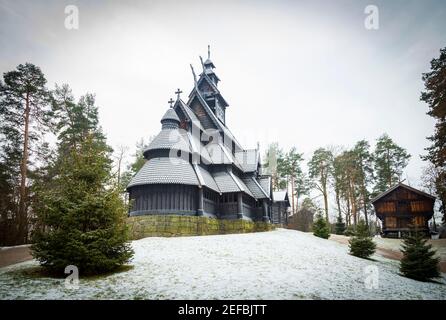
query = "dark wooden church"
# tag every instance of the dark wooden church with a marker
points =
(195, 165)
(403, 209)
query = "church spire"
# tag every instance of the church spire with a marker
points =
(208, 68)
(170, 119)
(208, 64)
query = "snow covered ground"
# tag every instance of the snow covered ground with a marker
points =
(282, 264)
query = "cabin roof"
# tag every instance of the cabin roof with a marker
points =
(280, 196)
(401, 185)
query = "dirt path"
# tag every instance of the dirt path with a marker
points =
(385, 252)
(14, 255)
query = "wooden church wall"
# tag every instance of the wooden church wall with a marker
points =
(168, 199)
(228, 205)
(211, 200)
(182, 199)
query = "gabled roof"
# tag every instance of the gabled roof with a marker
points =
(211, 72)
(265, 182)
(225, 182)
(280, 195)
(229, 182)
(165, 171)
(204, 77)
(218, 123)
(255, 188)
(208, 179)
(190, 115)
(240, 184)
(401, 185)
(213, 117)
(205, 178)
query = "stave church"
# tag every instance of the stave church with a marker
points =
(195, 165)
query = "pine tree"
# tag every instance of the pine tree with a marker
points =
(298, 180)
(274, 161)
(361, 244)
(419, 261)
(340, 225)
(338, 182)
(10, 157)
(435, 88)
(321, 228)
(320, 169)
(350, 230)
(25, 117)
(364, 173)
(390, 160)
(81, 213)
(346, 172)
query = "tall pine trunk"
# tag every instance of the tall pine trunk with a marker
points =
(338, 202)
(389, 170)
(353, 207)
(353, 204)
(365, 210)
(326, 204)
(292, 194)
(22, 216)
(347, 215)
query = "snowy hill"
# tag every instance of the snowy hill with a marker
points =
(281, 264)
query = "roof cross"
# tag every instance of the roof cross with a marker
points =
(178, 92)
(209, 51)
(171, 102)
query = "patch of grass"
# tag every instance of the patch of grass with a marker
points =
(41, 272)
(436, 281)
(36, 272)
(121, 269)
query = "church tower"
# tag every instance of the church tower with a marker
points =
(208, 86)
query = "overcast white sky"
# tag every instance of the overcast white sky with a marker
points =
(303, 73)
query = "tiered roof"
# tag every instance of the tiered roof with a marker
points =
(213, 163)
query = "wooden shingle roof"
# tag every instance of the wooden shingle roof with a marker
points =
(255, 188)
(401, 185)
(165, 171)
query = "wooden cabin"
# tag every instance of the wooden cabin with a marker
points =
(280, 207)
(403, 209)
